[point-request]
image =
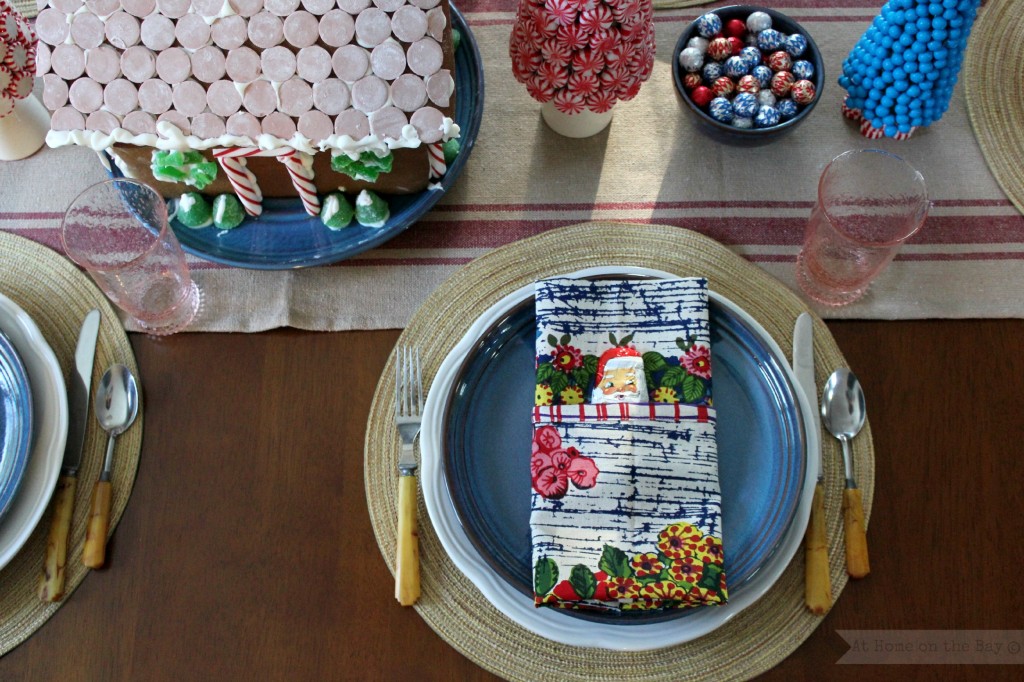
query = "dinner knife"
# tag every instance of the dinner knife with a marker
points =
(817, 585)
(51, 582)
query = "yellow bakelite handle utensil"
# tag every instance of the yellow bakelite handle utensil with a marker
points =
(817, 584)
(95, 552)
(407, 564)
(51, 582)
(857, 564)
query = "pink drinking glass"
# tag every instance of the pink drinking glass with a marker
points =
(118, 232)
(869, 203)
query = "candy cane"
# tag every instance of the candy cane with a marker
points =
(904, 136)
(245, 185)
(302, 179)
(232, 160)
(438, 167)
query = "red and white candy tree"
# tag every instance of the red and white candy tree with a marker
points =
(580, 57)
(22, 126)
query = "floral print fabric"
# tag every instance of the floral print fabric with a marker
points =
(625, 506)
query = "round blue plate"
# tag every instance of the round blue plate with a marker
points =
(285, 236)
(15, 422)
(760, 448)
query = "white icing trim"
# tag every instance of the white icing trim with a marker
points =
(170, 137)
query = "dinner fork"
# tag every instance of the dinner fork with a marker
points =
(408, 411)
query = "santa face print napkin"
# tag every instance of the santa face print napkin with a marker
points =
(626, 507)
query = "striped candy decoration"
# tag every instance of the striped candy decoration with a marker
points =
(301, 174)
(869, 131)
(232, 160)
(438, 167)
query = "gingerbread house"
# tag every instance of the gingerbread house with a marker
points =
(272, 98)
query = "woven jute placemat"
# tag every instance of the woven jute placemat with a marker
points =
(750, 643)
(994, 55)
(57, 296)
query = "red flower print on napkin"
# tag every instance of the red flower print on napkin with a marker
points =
(552, 467)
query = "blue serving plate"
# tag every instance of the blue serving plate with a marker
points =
(15, 422)
(286, 237)
(761, 450)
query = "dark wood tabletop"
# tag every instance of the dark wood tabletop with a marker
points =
(246, 552)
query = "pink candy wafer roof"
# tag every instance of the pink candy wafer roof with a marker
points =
(245, 67)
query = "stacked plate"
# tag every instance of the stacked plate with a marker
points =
(476, 480)
(33, 426)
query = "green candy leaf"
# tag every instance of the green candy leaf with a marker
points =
(654, 361)
(545, 575)
(615, 563)
(583, 581)
(673, 376)
(368, 167)
(552, 341)
(693, 388)
(169, 174)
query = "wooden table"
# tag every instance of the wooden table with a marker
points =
(246, 550)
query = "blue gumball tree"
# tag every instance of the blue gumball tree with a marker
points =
(900, 74)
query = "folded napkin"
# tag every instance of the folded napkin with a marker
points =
(626, 508)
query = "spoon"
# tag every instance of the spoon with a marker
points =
(116, 405)
(843, 412)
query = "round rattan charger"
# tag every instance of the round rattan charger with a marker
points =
(994, 56)
(750, 643)
(57, 296)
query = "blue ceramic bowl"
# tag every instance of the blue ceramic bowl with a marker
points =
(748, 137)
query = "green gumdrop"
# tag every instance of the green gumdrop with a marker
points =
(451, 150)
(227, 212)
(336, 212)
(193, 211)
(456, 38)
(371, 210)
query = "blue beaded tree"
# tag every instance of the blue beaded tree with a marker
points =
(900, 74)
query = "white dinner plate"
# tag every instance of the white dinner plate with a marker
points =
(49, 402)
(560, 626)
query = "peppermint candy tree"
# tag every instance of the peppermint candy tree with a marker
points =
(20, 135)
(17, 58)
(582, 55)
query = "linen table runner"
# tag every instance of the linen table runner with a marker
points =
(626, 507)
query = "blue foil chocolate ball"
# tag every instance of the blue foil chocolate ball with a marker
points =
(721, 110)
(745, 105)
